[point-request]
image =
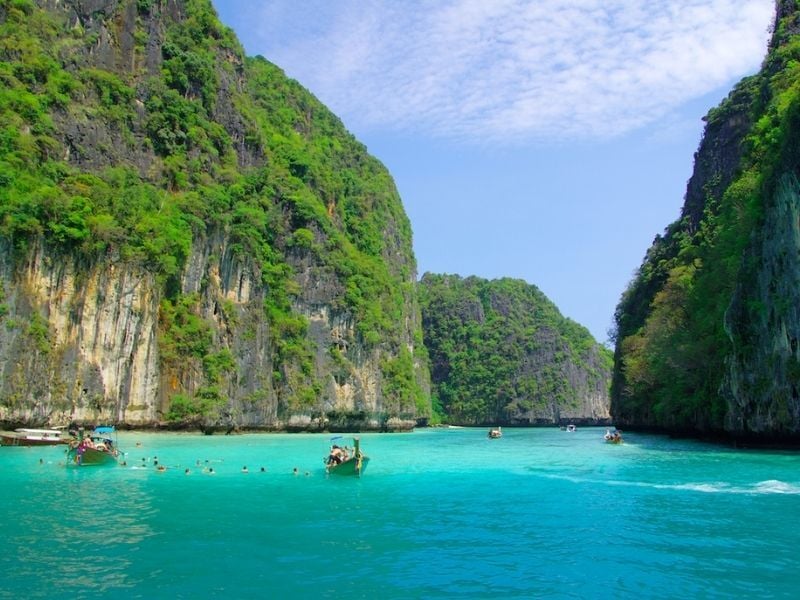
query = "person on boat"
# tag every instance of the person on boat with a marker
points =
(336, 456)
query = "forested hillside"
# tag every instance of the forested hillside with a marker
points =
(707, 331)
(188, 236)
(501, 353)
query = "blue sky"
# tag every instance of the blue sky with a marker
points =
(546, 140)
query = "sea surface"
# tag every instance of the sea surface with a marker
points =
(439, 513)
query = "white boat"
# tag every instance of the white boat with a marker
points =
(33, 437)
(571, 428)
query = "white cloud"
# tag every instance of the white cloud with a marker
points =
(510, 69)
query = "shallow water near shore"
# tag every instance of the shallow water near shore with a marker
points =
(439, 513)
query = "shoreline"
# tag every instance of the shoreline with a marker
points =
(721, 439)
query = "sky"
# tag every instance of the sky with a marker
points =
(544, 140)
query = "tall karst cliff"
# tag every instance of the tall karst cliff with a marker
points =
(708, 330)
(188, 236)
(501, 353)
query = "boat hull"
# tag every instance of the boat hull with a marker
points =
(90, 457)
(17, 439)
(353, 467)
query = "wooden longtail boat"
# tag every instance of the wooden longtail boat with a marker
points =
(340, 462)
(94, 449)
(33, 437)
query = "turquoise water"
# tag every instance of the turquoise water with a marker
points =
(447, 513)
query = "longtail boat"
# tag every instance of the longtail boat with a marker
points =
(340, 460)
(94, 449)
(33, 437)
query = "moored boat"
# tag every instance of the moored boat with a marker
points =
(340, 461)
(495, 432)
(33, 437)
(94, 449)
(613, 437)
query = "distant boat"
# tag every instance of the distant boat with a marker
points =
(341, 462)
(94, 449)
(495, 432)
(571, 428)
(33, 437)
(613, 437)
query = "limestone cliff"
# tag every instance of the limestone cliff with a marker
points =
(708, 329)
(501, 353)
(187, 237)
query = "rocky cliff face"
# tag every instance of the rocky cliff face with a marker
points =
(707, 331)
(501, 353)
(212, 248)
(71, 335)
(761, 383)
(81, 342)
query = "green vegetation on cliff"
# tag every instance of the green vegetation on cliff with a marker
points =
(501, 352)
(110, 151)
(688, 312)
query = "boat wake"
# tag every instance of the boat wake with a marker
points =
(774, 486)
(771, 486)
